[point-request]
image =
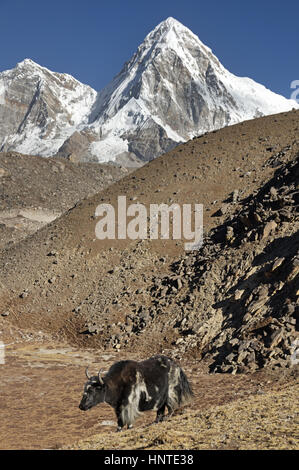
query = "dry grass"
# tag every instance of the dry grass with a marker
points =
(268, 421)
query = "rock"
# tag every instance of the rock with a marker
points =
(277, 263)
(261, 297)
(233, 342)
(261, 324)
(23, 294)
(285, 214)
(230, 357)
(179, 341)
(245, 221)
(52, 253)
(235, 195)
(128, 328)
(268, 228)
(224, 209)
(273, 193)
(257, 217)
(93, 330)
(250, 357)
(241, 356)
(238, 294)
(289, 307)
(229, 233)
(243, 345)
(247, 317)
(276, 338)
(294, 270)
(251, 272)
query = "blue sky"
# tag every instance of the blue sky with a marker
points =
(91, 39)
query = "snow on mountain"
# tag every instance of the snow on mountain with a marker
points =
(40, 109)
(172, 89)
(175, 84)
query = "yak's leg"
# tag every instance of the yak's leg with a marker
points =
(120, 423)
(160, 414)
(170, 411)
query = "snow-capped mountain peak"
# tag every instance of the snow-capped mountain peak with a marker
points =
(172, 89)
(169, 32)
(44, 108)
(27, 63)
(175, 86)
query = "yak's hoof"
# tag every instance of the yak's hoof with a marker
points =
(159, 420)
(119, 429)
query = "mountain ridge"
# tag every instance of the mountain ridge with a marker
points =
(172, 89)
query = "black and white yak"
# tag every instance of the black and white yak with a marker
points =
(131, 387)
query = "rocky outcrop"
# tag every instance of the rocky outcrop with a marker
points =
(234, 303)
(149, 142)
(248, 282)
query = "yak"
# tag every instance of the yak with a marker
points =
(132, 387)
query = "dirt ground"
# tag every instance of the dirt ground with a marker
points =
(42, 382)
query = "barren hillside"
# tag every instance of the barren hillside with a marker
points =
(65, 281)
(230, 307)
(36, 190)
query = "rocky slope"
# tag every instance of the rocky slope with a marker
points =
(232, 304)
(34, 190)
(172, 89)
(244, 283)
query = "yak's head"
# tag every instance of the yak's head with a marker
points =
(94, 391)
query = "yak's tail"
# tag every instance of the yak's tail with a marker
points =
(185, 391)
(180, 391)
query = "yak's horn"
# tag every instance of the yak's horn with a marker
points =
(87, 374)
(100, 378)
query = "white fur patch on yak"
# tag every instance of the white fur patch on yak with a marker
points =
(173, 381)
(130, 411)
